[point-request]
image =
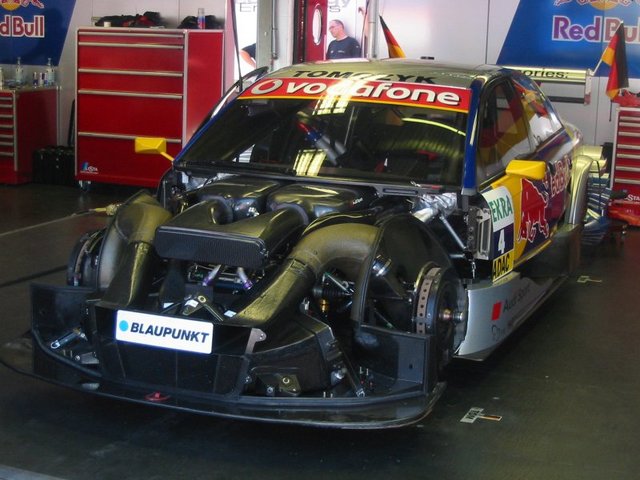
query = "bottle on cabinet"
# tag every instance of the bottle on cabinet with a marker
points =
(49, 74)
(19, 73)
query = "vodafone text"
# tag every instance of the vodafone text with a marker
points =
(387, 92)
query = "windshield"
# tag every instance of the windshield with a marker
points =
(334, 136)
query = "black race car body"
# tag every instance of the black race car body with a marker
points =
(331, 237)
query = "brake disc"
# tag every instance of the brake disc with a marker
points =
(436, 306)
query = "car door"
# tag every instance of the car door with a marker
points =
(551, 144)
(522, 209)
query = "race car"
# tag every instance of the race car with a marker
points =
(332, 236)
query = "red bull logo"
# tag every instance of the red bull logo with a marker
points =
(533, 219)
(17, 26)
(13, 4)
(602, 29)
(598, 4)
(558, 181)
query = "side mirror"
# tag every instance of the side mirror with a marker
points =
(531, 169)
(150, 145)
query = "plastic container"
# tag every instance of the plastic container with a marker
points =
(201, 19)
(49, 74)
(19, 74)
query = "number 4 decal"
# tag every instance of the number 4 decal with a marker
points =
(501, 243)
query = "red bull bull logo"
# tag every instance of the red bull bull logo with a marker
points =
(533, 220)
(13, 4)
(599, 4)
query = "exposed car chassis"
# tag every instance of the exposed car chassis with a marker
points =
(300, 274)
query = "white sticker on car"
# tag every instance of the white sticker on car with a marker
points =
(164, 332)
(501, 205)
(502, 216)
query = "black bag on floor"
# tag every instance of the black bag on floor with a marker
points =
(54, 165)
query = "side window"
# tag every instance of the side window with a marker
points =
(542, 118)
(503, 131)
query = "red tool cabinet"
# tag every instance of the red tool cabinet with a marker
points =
(625, 173)
(28, 121)
(135, 82)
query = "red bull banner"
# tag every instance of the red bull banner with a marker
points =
(34, 30)
(571, 33)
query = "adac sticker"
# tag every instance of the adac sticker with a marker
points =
(502, 216)
(399, 93)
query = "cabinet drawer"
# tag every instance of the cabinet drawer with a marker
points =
(7, 149)
(115, 161)
(135, 114)
(131, 51)
(130, 80)
(6, 110)
(131, 36)
(133, 57)
(7, 141)
(626, 112)
(6, 136)
(6, 128)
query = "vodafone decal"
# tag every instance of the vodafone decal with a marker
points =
(412, 94)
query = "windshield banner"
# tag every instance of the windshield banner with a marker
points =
(397, 93)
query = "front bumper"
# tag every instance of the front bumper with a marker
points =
(348, 413)
(404, 400)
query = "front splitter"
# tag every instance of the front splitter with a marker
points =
(371, 412)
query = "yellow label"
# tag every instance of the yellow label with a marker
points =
(503, 265)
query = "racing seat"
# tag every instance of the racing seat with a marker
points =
(430, 152)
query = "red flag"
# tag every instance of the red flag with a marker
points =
(615, 55)
(394, 48)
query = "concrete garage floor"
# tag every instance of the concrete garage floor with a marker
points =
(566, 389)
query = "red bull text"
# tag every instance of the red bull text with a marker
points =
(15, 26)
(18, 26)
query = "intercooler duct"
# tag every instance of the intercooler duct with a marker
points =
(127, 255)
(343, 245)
